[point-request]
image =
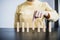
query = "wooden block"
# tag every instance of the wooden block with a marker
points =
(38, 27)
(17, 26)
(27, 27)
(22, 26)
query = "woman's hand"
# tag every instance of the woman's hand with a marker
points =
(40, 14)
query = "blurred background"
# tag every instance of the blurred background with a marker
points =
(8, 9)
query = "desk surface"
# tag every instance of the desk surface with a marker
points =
(11, 34)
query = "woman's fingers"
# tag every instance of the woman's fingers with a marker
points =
(47, 16)
(37, 14)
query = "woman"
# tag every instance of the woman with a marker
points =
(33, 13)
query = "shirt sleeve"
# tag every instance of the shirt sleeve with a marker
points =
(53, 14)
(16, 19)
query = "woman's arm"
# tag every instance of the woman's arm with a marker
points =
(52, 14)
(16, 17)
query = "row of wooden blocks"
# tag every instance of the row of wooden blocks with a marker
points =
(38, 28)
